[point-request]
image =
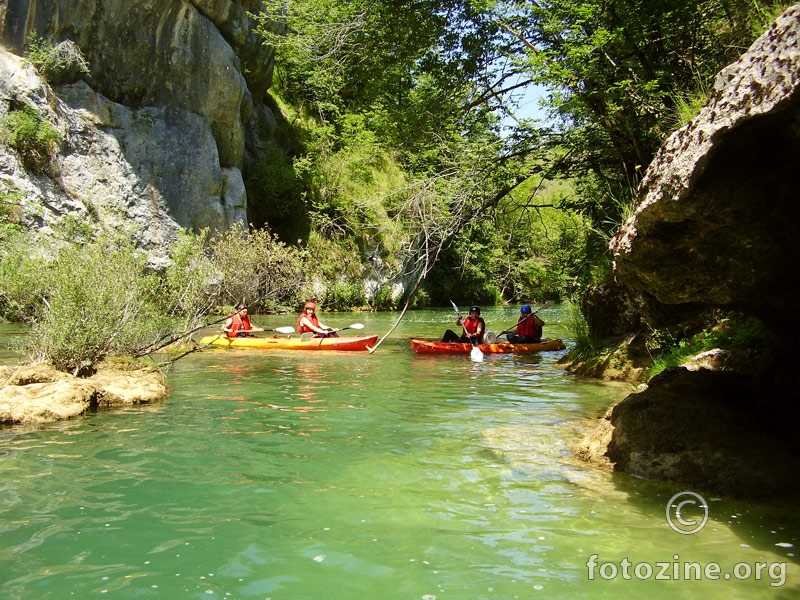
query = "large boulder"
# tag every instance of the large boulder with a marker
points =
(712, 431)
(718, 227)
(719, 222)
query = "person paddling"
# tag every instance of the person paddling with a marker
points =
(473, 328)
(528, 328)
(239, 325)
(308, 322)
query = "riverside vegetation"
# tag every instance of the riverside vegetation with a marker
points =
(402, 180)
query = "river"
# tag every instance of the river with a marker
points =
(299, 475)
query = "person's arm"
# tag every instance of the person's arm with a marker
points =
(325, 328)
(459, 322)
(307, 323)
(227, 327)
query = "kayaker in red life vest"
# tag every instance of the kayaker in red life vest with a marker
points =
(308, 322)
(472, 328)
(528, 328)
(238, 324)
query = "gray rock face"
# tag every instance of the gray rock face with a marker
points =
(149, 172)
(190, 55)
(719, 220)
(154, 139)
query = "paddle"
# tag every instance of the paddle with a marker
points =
(475, 354)
(310, 334)
(286, 329)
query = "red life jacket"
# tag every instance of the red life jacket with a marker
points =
(313, 319)
(530, 327)
(239, 324)
(471, 325)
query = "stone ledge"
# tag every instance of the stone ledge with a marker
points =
(39, 393)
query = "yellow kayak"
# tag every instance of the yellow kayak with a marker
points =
(288, 342)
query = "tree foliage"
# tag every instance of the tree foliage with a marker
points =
(100, 298)
(83, 302)
(402, 155)
(428, 82)
(618, 72)
(255, 268)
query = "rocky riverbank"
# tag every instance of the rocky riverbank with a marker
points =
(716, 229)
(31, 394)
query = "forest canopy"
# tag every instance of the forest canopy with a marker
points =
(410, 149)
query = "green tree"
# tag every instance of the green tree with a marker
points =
(392, 86)
(615, 71)
(256, 268)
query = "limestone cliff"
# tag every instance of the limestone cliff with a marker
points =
(155, 137)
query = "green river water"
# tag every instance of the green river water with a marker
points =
(300, 475)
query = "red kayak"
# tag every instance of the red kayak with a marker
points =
(435, 347)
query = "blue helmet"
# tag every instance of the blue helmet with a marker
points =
(526, 309)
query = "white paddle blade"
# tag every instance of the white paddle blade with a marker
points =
(306, 337)
(455, 308)
(356, 326)
(475, 354)
(490, 338)
(284, 329)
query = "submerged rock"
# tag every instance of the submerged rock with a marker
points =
(41, 394)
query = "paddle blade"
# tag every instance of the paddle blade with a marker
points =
(455, 308)
(490, 337)
(284, 329)
(356, 326)
(475, 354)
(306, 337)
